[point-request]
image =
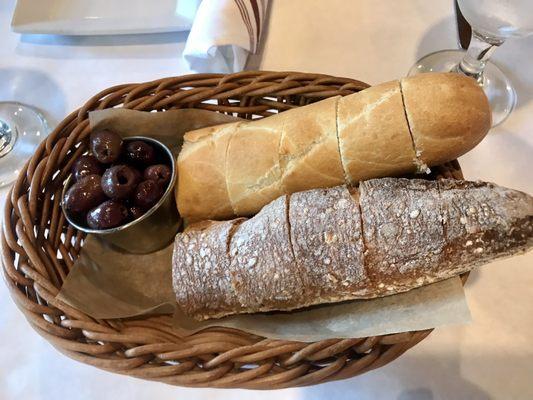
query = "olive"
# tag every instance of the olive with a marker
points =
(139, 152)
(106, 146)
(135, 212)
(84, 195)
(109, 214)
(86, 165)
(138, 175)
(159, 173)
(146, 194)
(119, 181)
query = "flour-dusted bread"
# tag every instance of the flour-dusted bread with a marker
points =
(403, 232)
(204, 246)
(326, 232)
(386, 130)
(326, 245)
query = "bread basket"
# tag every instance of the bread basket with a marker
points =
(39, 248)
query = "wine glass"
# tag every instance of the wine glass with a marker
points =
(22, 128)
(492, 21)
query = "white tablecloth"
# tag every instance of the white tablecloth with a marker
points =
(364, 39)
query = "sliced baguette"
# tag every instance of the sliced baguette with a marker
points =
(386, 130)
(390, 236)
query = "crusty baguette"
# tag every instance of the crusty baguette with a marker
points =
(386, 130)
(326, 245)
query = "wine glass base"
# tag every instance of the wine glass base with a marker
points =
(496, 85)
(21, 130)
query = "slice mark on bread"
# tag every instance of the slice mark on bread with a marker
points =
(344, 169)
(226, 161)
(356, 196)
(280, 163)
(420, 165)
(288, 219)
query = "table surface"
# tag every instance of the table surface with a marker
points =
(372, 41)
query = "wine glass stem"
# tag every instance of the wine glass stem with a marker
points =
(479, 51)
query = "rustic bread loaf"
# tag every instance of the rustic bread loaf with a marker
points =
(389, 129)
(326, 245)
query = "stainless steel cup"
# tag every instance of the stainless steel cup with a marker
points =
(151, 232)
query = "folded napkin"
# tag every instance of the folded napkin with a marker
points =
(223, 33)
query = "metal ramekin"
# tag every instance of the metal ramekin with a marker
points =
(152, 231)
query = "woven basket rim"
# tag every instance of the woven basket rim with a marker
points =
(38, 250)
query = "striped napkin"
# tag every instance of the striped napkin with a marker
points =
(223, 33)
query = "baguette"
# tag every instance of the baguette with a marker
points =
(203, 161)
(386, 130)
(327, 245)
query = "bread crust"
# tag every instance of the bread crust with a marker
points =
(386, 130)
(262, 259)
(204, 245)
(309, 150)
(325, 245)
(484, 221)
(403, 233)
(201, 166)
(448, 115)
(374, 137)
(252, 165)
(326, 233)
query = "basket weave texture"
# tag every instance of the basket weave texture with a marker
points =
(39, 249)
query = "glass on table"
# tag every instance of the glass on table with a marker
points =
(22, 128)
(493, 22)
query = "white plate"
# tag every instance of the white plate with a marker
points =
(103, 17)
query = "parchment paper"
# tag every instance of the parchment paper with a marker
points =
(168, 127)
(107, 283)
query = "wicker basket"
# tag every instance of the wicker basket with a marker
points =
(39, 248)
